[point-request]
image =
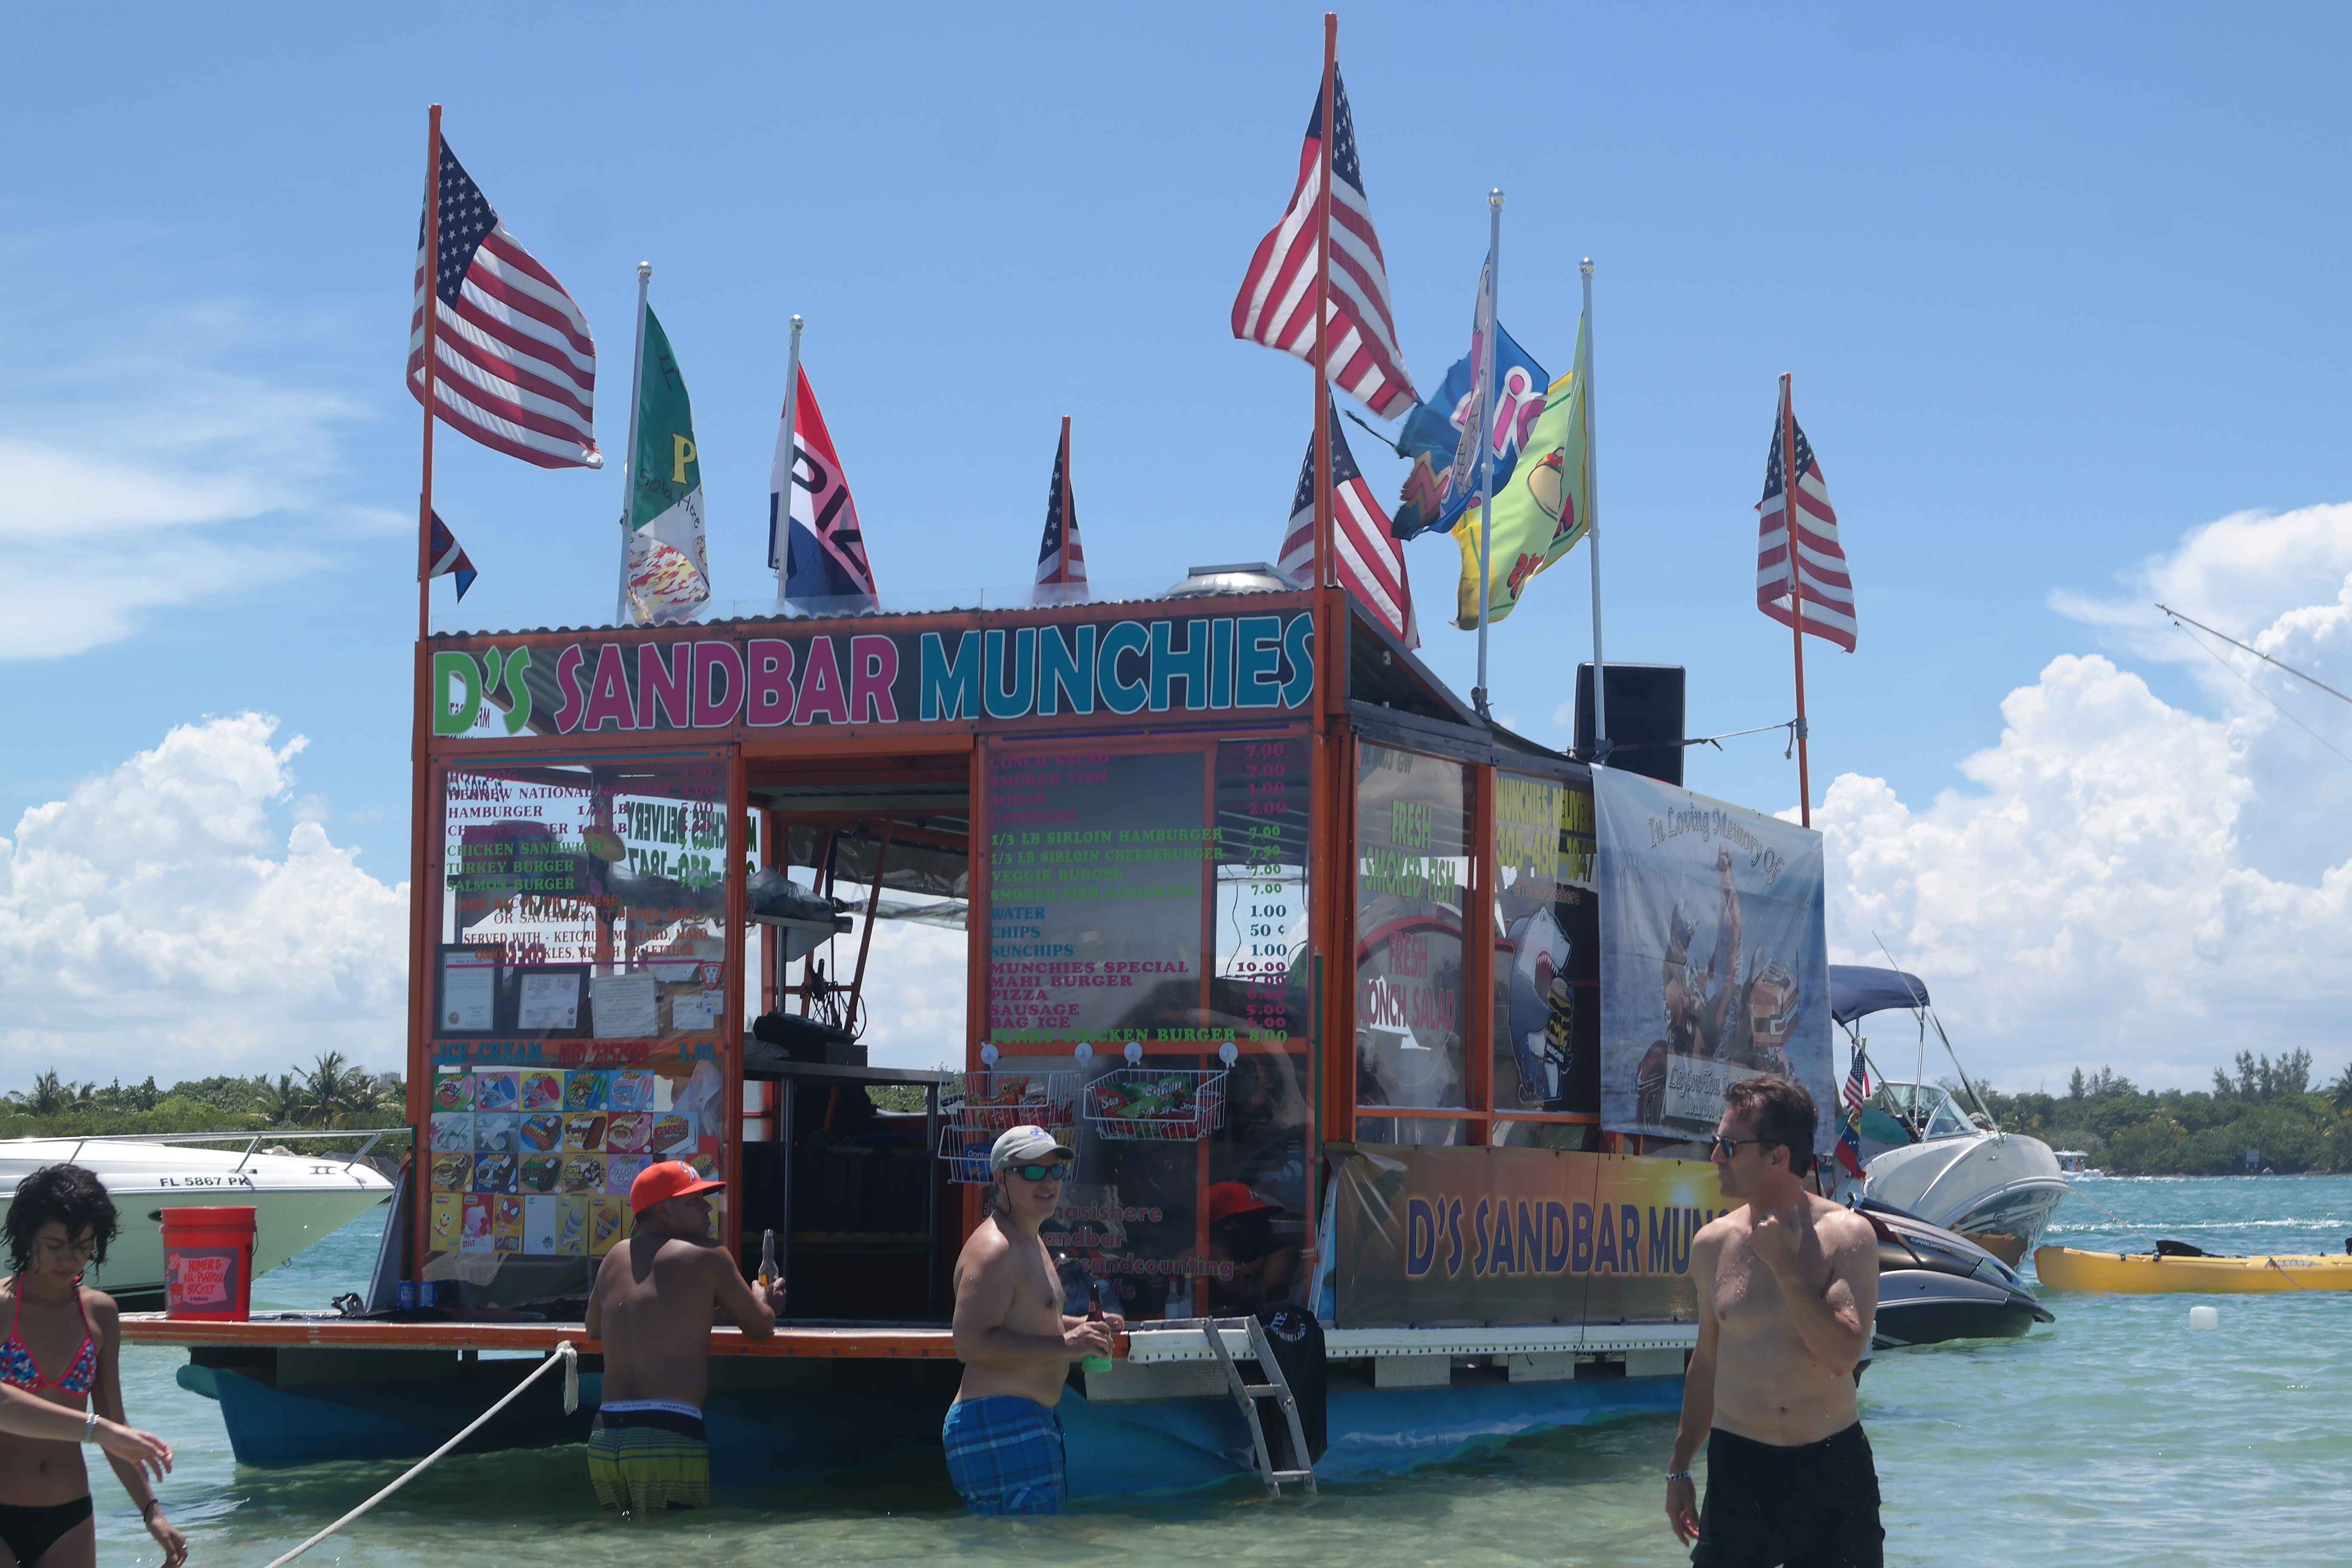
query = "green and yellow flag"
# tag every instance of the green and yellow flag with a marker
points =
(667, 572)
(1545, 506)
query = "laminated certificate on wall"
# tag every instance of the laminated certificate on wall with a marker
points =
(627, 1007)
(549, 1002)
(469, 993)
(691, 1010)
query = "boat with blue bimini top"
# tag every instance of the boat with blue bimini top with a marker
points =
(1385, 1039)
(1923, 1153)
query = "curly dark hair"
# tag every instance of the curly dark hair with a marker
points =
(66, 1195)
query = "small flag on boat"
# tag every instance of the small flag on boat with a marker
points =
(1821, 559)
(1849, 1144)
(1061, 558)
(1275, 306)
(1371, 562)
(514, 364)
(449, 558)
(667, 573)
(823, 553)
(1545, 509)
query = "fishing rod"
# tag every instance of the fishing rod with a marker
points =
(2258, 653)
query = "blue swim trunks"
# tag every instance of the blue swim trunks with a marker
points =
(1005, 1455)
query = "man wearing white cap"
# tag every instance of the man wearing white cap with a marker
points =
(1002, 1435)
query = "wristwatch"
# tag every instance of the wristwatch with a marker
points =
(1678, 1476)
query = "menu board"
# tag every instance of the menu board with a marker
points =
(1262, 851)
(600, 889)
(538, 1160)
(1096, 875)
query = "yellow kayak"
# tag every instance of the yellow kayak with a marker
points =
(2142, 1273)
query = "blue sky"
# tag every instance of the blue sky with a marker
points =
(2057, 290)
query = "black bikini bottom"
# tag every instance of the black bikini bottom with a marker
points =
(31, 1531)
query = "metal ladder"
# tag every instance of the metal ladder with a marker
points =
(1247, 1395)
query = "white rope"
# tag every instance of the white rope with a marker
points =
(565, 1354)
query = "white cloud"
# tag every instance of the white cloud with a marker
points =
(915, 993)
(2130, 882)
(153, 922)
(140, 479)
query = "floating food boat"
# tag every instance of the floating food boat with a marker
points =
(2175, 1267)
(1301, 955)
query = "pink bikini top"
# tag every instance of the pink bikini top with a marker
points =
(19, 1370)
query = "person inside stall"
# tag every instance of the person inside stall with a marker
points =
(1241, 1234)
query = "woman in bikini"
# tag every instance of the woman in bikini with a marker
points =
(61, 1349)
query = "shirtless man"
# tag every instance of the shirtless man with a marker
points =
(655, 1297)
(1787, 1290)
(1003, 1436)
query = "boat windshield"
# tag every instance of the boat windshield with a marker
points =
(1926, 1109)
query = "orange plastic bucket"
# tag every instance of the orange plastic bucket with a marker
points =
(208, 1263)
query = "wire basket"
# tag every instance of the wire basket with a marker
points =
(997, 1101)
(1173, 1105)
(966, 1153)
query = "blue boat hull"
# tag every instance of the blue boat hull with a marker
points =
(779, 1437)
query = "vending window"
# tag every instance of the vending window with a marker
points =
(1412, 874)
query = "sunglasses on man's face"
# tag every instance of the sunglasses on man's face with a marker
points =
(1727, 1147)
(1037, 1172)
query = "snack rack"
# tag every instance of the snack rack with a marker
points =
(978, 1106)
(1136, 1103)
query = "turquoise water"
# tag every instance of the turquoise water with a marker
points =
(2115, 1436)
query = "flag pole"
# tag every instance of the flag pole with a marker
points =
(1796, 590)
(1593, 530)
(629, 468)
(1326, 567)
(1490, 330)
(783, 519)
(421, 777)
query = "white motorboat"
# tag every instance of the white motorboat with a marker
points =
(2073, 1162)
(1923, 1154)
(297, 1199)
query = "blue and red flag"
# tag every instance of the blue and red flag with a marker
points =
(1857, 1089)
(449, 558)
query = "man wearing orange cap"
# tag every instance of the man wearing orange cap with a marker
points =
(1247, 1268)
(652, 1306)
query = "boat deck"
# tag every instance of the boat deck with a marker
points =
(327, 1330)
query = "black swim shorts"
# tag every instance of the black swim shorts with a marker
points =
(1811, 1506)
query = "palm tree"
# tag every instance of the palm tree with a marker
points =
(278, 1103)
(336, 1089)
(2339, 1093)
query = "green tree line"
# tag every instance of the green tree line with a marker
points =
(332, 1092)
(2256, 1103)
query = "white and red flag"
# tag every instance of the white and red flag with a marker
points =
(514, 362)
(1277, 304)
(823, 553)
(1060, 557)
(1821, 559)
(1371, 562)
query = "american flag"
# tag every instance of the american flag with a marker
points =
(449, 557)
(514, 362)
(1857, 1084)
(1061, 558)
(1277, 305)
(1821, 559)
(1849, 1144)
(1372, 564)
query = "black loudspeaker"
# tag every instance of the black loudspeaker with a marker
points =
(1646, 719)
